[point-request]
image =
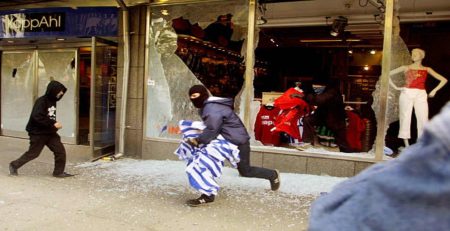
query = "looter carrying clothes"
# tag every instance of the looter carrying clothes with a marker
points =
(220, 119)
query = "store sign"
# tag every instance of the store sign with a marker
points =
(67, 22)
(34, 22)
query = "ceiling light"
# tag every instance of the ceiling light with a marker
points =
(372, 52)
(350, 51)
(366, 67)
(60, 39)
(338, 26)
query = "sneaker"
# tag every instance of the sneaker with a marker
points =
(275, 182)
(63, 175)
(203, 199)
(13, 171)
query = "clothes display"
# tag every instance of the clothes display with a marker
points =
(205, 162)
(412, 98)
(355, 129)
(413, 93)
(265, 121)
(220, 70)
(293, 109)
(416, 78)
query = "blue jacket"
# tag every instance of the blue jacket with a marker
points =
(219, 118)
(409, 193)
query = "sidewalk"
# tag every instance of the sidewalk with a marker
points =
(143, 195)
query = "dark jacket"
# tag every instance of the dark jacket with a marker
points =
(330, 107)
(43, 115)
(219, 118)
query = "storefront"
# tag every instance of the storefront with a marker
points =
(188, 45)
(252, 51)
(76, 47)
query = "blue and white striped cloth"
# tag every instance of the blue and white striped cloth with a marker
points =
(205, 162)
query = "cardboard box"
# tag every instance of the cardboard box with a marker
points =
(269, 97)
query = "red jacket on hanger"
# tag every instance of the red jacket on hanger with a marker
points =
(265, 121)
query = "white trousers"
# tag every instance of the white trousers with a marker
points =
(412, 98)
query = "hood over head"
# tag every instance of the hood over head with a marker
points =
(53, 88)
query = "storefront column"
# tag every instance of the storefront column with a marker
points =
(135, 95)
(249, 61)
(384, 80)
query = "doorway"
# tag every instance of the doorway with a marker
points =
(90, 69)
(102, 74)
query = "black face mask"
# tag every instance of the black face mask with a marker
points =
(203, 95)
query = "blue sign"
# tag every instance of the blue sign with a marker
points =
(63, 22)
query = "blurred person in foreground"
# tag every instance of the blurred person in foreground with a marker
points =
(409, 193)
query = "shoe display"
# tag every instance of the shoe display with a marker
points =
(63, 175)
(203, 199)
(275, 182)
(13, 171)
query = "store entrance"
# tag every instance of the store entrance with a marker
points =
(24, 77)
(99, 82)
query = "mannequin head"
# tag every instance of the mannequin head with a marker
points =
(417, 54)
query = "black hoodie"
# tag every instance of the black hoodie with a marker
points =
(43, 116)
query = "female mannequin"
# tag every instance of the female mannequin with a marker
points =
(413, 93)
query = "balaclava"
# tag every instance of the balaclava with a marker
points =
(53, 88)
(202, 97)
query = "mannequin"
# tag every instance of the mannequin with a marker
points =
(413, 93)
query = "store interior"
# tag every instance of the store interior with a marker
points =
(341, 46)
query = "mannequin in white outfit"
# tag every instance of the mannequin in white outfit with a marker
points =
(413, 94)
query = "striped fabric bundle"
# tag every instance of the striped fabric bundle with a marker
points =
(205, 162)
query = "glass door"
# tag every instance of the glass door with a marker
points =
(61, 65)
(103, 96)
(17, 91)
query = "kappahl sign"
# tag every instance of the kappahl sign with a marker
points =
(34, 22)
(62, 21)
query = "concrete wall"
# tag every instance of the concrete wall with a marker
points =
(135, 103)
(289, 161)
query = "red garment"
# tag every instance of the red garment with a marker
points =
(287, 122)
(293, 109)
(355, 129)
(416, 78)
(285, 101)
(265, 121)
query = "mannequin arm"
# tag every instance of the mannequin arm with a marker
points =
(394, 86)
(439, 77)
(393, 72)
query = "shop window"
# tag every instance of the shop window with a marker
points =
(192, 44)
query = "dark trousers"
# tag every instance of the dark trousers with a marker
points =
(246, 170)
(37, 143)
(309, 132)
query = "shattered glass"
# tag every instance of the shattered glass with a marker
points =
(169, 77)
(400, 56)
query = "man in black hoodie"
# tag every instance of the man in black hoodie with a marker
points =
(42, 128)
